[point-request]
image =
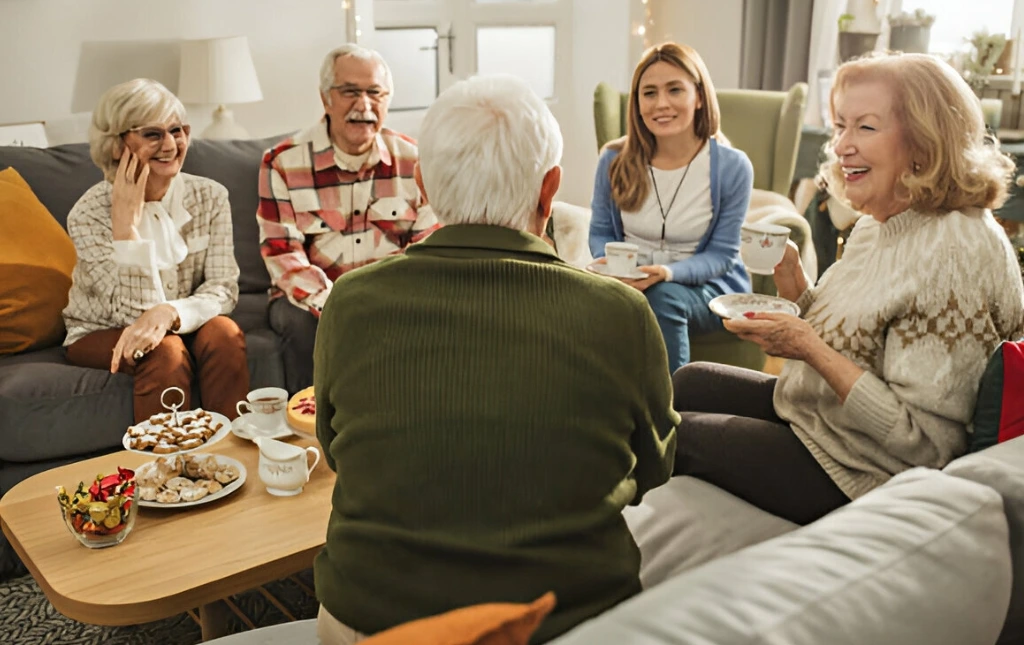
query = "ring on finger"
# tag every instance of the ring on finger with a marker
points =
(138, 354)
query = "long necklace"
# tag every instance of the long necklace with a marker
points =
(664, 211)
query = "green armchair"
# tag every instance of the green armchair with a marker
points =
(765, 125)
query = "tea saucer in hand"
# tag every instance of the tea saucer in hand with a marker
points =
(243, 429)
(602, 269)
(734, 305)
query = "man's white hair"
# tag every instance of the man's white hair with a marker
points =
(351, 49)
(485, 145)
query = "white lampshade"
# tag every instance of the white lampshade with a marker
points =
(218, 71)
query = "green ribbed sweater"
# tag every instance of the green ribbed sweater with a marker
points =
(489, 411)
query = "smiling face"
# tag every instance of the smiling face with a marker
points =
(872, 150)
(161, 145)
(357, 103)
(668, 100)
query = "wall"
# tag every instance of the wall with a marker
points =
(713, 28)
(50, 49)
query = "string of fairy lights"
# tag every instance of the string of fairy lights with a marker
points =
(645, 27)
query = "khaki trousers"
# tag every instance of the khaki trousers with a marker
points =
(214, 353)
(331, 631)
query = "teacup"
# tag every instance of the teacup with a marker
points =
(267, 409)
(621, 257)
(762, 246)
(284, 468)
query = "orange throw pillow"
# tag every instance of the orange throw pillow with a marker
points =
(36, 260)
(491, 624)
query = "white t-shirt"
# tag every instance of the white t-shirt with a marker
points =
(686, 219)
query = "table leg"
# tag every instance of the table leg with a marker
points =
(213, 620)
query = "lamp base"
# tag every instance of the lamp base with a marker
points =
(224, 126)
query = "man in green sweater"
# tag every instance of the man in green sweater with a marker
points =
(489, 410)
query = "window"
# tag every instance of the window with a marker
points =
(957, 20)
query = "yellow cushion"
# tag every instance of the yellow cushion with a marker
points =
(492, 624)
(36, 260)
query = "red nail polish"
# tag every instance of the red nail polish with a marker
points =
(748, 314)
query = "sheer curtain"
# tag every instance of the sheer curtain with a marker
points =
(776, 42)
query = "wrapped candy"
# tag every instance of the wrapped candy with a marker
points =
(97, 514)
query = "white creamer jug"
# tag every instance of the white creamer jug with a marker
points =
(284, 468)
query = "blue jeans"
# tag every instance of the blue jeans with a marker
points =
(681, 309)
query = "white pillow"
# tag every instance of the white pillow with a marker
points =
(922, 560)
(687, 522)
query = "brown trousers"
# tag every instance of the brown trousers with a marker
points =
(731, 437)
(215, 353)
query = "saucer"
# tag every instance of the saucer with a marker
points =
(734, 305)
(242, 429)
(602, 269)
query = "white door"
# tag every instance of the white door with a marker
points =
(430, 44)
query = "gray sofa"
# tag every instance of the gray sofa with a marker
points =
(52, 412)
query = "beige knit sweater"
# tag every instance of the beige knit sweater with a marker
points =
(919, 302)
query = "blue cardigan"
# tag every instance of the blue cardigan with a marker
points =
(717, 259)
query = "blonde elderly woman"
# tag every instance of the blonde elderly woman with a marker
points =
(156, 269)
(885, 360)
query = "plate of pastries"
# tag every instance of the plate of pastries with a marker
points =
(183, 481)
(176, 432)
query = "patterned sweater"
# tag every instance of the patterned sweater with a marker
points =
(919, 302)
(109, 290)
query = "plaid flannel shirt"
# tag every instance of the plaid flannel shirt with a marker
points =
(318, 221)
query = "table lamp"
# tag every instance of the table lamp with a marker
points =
(219, 71)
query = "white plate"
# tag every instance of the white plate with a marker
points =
(602, 269)
(224, 492)
(225, 428)
(734, 305)
(242, 429)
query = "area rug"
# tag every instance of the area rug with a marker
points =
(28, 618)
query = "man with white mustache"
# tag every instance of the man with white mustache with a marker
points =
(334, 197)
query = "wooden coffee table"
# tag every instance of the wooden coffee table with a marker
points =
(174, 560)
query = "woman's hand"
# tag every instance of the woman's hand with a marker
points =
(128, 196)
(143, 335)
(782, 335)
(655, 274)
(790, 280)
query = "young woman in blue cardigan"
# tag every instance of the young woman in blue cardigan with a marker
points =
(670, 187)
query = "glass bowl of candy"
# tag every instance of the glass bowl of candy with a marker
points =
(103, 513)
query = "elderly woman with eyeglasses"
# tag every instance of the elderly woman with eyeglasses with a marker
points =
(156, 269)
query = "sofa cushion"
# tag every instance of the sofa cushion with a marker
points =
(51, 409)
(921, 560)
(1002, 468)
(58, 175)
(236, 165)
(688, 522)
(36, 260)
(486, 624)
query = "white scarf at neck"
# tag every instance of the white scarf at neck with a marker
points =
(161, 222)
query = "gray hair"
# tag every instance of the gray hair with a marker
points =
(357, 51)
(131, 104)
(485, 146)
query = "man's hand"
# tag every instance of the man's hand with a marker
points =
(782, 335)
(143, 335)
(128, 196)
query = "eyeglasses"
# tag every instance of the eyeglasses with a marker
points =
(352, 93)
(155, 134)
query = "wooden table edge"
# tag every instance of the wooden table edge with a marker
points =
(160, 608)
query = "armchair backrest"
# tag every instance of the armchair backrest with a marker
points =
(765, 125)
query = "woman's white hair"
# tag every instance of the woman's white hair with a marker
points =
(350, 49)
(485, 145)
(132, 104)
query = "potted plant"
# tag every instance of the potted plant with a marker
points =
(910, 31)
(987, 48)
(854, 43)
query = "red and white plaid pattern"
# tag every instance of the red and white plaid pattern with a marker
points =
(318, 221)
